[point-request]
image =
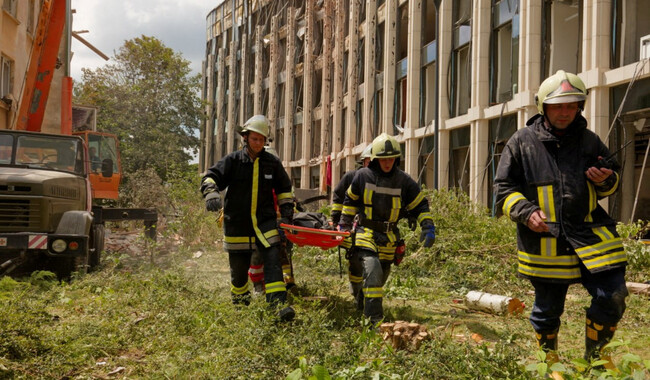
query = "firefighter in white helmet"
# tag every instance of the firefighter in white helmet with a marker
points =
(377, 198)
(251, 176)
(549, 181)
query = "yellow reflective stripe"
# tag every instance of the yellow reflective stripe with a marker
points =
(365, 244)
(239, 239)
(271, 233)
(275, 287)
(350, 194)
(415, 202)
(387, 249)
(394, 212)
(349, 210)
(355, 279)
(256, 174)
(424, 216)
(238, 291)
(347, 243)
(386, 256)
(373, 292)
(568, 273)
(564, 261)
(337, 207)
(367, 196)
(546, 202)
(368, 211)
(609, 259)
(603, 233)
(600, 248)
(510, 201)
(612, 190)
(593, 201)
(284, 198)
(548, 246)
(391, 238)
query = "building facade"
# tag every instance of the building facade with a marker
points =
(451, 80)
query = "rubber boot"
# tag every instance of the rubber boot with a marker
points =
(287, 314)
(241, 299)
(547, 341)
(596, 337)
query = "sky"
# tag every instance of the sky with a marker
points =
(180, 25)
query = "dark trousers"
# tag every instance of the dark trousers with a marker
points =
(607, 290)
(240, 262)
(366, 264)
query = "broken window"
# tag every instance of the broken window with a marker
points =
(425, 161)
(399, 117)
(379, 47)
(461, 58)
(501, 130)
(314, 177)
(315, 139)
(344, 132)
(345, 71)
(317, 82)
(402, 31)
(561, 36)
(296, 141)
(297, 93)
(428, 95)
(359, 119)
(295, 177)
(347, 15)
(361, 60)
(429, 22)
(379, 107)
(505, 50)
(6, 77)
(459, 159)
(631, 30)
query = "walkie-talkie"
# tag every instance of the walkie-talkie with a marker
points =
(609, 162)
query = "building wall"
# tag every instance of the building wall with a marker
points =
(333, 74)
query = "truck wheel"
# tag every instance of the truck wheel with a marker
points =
(97, 245)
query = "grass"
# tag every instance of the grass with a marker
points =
(171, 317)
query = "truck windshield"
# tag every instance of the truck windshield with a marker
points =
(6, 148)
(49, 152)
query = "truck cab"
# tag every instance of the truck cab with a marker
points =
(46, 220)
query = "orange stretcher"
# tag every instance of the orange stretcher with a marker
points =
(324, 239)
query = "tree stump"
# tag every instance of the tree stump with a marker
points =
(403, 335)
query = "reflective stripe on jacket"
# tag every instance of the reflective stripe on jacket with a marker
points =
(249, 211)
(537, 171)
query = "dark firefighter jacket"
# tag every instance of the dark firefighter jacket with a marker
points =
(380, 198)
(249, 212)
(339, 195)
(538, 170)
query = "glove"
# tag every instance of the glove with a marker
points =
(428, 235)
(413, 223)
(344, 227)
(213, 201)
(400, 250)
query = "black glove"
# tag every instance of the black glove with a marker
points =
(213, 201)
(336, 217)
(413, 223)
(428, 235)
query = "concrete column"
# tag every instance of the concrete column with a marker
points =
(259, 75)
(326, 128)
(339, 46)
(390, 15)
(369, 73)
(207, 158)
(272, 112)
(413, 90)
(353, 84)
(444, 39)
(307, 77)
(243, 86)
(221, 99)
(232, 124)
(289, 69)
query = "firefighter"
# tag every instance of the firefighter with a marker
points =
(372, 207)
(337, 206)
(251, 176)
(548, 182)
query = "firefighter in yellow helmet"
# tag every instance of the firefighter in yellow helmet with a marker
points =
(549, 182)
(251, 176)
(376, 198)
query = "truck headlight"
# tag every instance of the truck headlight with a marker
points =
(59, 245)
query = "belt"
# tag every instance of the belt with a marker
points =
(379, 226)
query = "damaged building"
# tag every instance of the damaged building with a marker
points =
(451, 80)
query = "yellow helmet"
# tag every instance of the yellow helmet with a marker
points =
(385, 146)
(561, 87)
(259, 124)
(367, 152)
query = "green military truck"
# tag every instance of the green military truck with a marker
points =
(46, 220)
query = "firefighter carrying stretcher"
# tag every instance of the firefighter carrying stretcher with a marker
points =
(371, 210)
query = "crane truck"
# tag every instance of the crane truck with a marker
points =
(49, 182)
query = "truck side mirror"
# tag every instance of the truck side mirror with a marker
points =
(107, 167)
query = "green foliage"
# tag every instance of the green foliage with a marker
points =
(148, 98)
(638, 254)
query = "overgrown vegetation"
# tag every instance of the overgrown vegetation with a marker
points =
(172, 317)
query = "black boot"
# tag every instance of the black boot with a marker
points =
(547, 341)
(596, 337)
(241, 299)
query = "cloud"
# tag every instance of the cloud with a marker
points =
(179, 25)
